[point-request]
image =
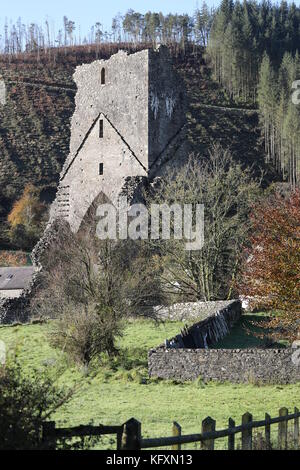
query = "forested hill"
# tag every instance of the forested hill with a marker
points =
(239, 62)
(254, 49)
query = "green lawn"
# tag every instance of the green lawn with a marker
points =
(121, 390)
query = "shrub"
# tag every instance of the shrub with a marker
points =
(25, 402)
(10, 258)
(89, 286)
(22, 237)
(86, 333)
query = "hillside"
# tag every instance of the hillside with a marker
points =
(213, 117)
(35, 122)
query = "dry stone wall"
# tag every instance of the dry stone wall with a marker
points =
(188, 356)
(216, 321)
(280, 366)
(187, 311)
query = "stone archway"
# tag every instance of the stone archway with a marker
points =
(90, 219)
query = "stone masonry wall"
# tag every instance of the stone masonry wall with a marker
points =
(167, 107)
(17, 309)
(216, 320)
(141, 111)
(187, 311)
(121, 103)
(280, 366)
(187, 356)
(13, 310)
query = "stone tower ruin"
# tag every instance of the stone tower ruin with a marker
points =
(129, 122)
(128, 126)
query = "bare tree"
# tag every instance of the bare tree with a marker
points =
(226, 190)
(90, 286)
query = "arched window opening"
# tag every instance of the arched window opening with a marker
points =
(103, 76)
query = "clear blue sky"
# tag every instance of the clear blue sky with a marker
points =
(87, 12)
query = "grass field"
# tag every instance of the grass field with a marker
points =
(120, 389)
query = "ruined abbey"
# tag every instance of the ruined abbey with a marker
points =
(128, 124)
(128, 127)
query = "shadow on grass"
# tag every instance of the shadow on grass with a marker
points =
(128, 359)
(245, 334)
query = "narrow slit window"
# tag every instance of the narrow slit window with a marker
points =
(103, 76)
(101, 128)
(100, 169)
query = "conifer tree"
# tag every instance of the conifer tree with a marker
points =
(267, 98)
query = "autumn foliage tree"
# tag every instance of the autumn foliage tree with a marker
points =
(10, 258)
(271, 273)
(25, 218)
(27, 209)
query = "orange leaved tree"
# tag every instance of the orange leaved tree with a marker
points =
(12, 258)
(25, 219)
(27, 210)
(271, 272)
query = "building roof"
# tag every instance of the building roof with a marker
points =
(16, 278)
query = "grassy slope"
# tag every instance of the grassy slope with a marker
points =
(122, 390)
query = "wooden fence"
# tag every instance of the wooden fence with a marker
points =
(51, 434)
(129, 435)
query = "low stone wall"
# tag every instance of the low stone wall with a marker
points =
(14, 310)
(218, 319)
(280, 366)
(11, 293)
(191, 310)
(17, 309)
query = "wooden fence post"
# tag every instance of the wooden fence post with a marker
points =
(296, 430)
(246, 433)
(119, 440)
(131, 437)
(208, 425)
(231, 437)
(268, 431)
(282, 429)
(176, 431)
(48, 435)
